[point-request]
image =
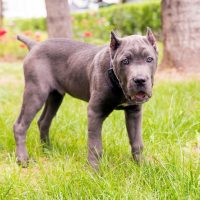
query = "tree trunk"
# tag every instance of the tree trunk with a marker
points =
(1, 13)
(181, 34)
(58, 18)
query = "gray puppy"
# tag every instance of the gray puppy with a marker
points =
(115, 76)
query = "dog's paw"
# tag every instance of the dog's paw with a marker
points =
(94, 164)
(23, 162)
(138, 157)
(137, 153)
(22, 159)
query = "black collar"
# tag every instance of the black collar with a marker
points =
(116, 87)
(115, 82)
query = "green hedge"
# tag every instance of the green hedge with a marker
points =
(33, 24)
(130, 18)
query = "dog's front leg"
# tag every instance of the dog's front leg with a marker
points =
(133, 116)
(97, 113)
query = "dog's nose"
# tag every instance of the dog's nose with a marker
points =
(139, 81)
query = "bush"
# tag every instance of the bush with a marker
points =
(93, 26)
(33, 24)
(130, 18)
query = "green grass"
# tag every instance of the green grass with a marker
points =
(171, 127)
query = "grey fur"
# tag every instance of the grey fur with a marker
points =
(58, 66)
(27, 41)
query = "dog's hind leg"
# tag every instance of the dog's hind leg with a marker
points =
(33, 100)
(52, 105)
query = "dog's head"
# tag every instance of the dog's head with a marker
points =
(134, 59)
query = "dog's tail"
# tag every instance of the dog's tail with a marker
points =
(28, 42)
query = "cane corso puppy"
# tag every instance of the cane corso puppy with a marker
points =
(119, 75)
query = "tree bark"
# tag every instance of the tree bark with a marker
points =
(58, 18)
(1, 13)
(181, 34)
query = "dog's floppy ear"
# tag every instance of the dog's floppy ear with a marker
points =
(151, 39)
(114, 41)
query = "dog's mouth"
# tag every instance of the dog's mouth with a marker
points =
(140, 97)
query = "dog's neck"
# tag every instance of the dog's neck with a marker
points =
(116, 86)
(113, 78)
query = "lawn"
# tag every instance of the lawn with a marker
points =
(171, 132)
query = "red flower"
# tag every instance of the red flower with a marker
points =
(2, 32)
(22, 46)
(27, 33)
(88, 34)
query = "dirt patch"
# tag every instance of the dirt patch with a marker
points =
(175, 75)
(10, 59)
(9, 80)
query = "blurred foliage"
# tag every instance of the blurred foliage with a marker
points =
(11, 49)
(90, 26)
(33, 24)
(127, 19)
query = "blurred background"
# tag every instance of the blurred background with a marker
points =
(171, 119)
(176, 25)
(36, 8)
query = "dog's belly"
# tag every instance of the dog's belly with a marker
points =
(76, 86)
(79, 93)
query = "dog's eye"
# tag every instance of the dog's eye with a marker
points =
(149, 59)
(125, 61)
